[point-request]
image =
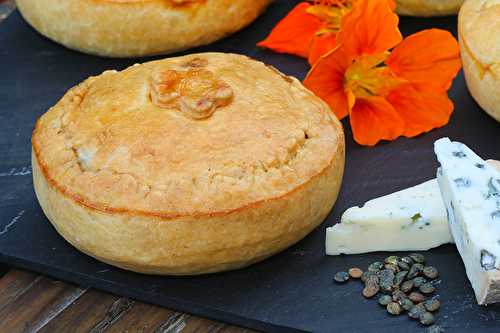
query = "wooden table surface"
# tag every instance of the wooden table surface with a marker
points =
(30, 302)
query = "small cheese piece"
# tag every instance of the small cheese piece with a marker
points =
(471, 192)
(409, 220)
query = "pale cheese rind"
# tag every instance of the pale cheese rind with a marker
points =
(471, 192)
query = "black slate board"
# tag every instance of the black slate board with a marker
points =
(290, 292)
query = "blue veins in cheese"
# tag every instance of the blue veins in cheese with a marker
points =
(471, 193)
(413, 219)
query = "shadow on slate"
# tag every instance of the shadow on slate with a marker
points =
(290, 292)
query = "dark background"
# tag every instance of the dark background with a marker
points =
(291, 291)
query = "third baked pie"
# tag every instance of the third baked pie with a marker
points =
(428, 7)
(479, 35)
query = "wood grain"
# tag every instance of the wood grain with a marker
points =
(13, 285)
(82, 315)
(35, 303)
(142, 318)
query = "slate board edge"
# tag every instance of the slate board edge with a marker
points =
(156, 299)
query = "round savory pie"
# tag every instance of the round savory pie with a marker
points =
(187, 165)
(428, 7)
(131, 28)
(479, 35)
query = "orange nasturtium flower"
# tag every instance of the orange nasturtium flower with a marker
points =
(386, 94)
(310, 29)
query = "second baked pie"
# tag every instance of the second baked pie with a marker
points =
(132, 28)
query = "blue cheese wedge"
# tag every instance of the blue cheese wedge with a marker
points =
(413, 219)
(409, 220)
(471, 193)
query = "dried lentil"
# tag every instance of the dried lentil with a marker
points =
(400, 277)
(430, 272)
(418, 281)
(426, 318)
(432, 305)
(398, 296)
(386, 278)
(427, 288)
(416, 297)
(376, 266)
(407, 286)
(407, 260)
(417, 257)
(355, 272)
(406, 304)
(416, 311)
(393, 260)
(394, 308)
(370, 290)
(415, 270)
(392, 267)
(403, 266)
(341, 277)
(384, 300)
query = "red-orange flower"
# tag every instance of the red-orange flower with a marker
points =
(386, 94)
(310, 29)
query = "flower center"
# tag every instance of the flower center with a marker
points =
(330, 12)
(367, 76)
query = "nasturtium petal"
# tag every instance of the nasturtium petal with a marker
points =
(294, 33)
(375, 119)
(422, 110)
(370, 28)
(326, 80)
(320, 45)
(429, 59)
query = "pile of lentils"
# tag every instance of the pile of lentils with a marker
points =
(403, 284)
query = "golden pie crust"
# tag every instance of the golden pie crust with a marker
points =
(479, 36)
(131, 28)
(151, 187)
(428, 7)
